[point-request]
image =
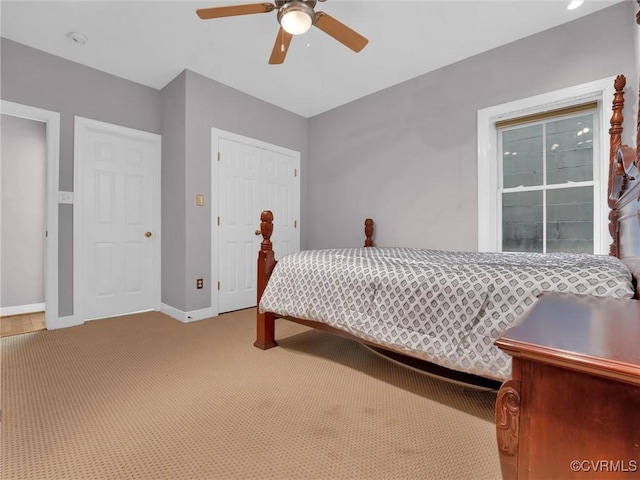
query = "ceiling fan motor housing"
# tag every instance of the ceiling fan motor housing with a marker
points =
(282, 3)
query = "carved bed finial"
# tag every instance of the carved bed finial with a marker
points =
(638, 14)
(266, 229)
(619, 83)
(368, 232)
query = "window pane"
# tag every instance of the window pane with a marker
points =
(570, 150)
(522, 222)
(522, 150)
(570, 220)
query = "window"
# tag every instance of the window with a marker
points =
(546, 193)
(542, 172)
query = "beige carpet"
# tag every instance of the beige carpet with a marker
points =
(146, 397)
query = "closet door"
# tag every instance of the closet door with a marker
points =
(252, 179)
(239, 195)
(280, 195)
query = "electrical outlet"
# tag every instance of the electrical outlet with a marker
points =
(199, 283)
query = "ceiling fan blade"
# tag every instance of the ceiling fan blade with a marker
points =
(340, 32)
(233, 10)
(280, 48)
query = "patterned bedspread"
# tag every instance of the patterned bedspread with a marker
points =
(444, 307)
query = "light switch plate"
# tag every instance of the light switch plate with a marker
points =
(65, 197)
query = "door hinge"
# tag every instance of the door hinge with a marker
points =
(295, 172)
(218, 156)
(218, 221)
(46, 234)
(295, 224)
(218, 285)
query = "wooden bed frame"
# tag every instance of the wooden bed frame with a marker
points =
(265, 322)
(624, 184)
(624, 227)
(624, 198)
(266, 263)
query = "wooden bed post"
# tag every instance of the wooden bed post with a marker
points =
(638, 111)
(265, 322)
(368, 232)
(266, 262)
(615, 133)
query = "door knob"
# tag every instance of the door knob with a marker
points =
(148, 234)
(258, 232)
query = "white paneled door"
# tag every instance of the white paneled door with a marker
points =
(116, 208)
(239, 195)
(252, 177)
(280, 194)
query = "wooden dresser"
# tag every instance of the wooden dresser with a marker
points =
(572, 407)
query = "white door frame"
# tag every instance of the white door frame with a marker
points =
(52, 122)
(216, 134)
(81, 126)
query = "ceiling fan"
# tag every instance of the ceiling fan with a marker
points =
(295, 17)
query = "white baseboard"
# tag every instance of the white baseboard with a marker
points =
(186, 317)
(63, 322)
(172, 312)
(21, 309)
(196, 315)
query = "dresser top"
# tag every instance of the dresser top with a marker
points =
(596, 335)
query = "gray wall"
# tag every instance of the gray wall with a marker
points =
(32, 77)
(23, 164)
(212, 104)
(173, 173)
(191, 106)
(184, 113)
(407, 156)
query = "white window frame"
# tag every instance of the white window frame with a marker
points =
(600, 91)
(546, 187)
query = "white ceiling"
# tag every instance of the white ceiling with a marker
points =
(151, 42)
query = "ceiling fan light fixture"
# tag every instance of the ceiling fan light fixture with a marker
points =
(296, 17)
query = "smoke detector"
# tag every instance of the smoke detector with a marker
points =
(78, 38)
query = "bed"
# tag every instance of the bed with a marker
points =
(446, 308)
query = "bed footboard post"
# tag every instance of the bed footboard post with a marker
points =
(265, 322)
(368, 232)
(615, 170)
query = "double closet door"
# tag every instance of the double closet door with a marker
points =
(253, 177)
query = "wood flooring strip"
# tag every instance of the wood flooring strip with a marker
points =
(19, 324)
